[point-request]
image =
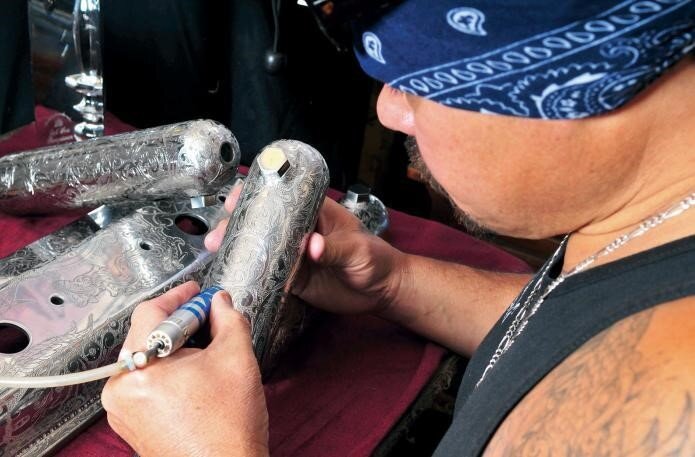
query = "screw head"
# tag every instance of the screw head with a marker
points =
(273, 162)
(358, 193)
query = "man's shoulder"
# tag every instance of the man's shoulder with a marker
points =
(630, 390)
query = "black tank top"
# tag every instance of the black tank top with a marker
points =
(580, 308)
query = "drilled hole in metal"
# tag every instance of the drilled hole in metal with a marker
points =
(226, 152)
(144, 245)
(57, 300)
(13, 338)
(192, 225)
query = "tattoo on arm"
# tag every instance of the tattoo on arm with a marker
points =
(607, 399)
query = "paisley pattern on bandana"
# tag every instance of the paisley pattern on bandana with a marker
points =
(467, 20)
(524, 58)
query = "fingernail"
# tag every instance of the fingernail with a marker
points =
(124, 354)
(224, 297)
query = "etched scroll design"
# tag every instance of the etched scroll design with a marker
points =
(87, 330)
(175, 161)
(264, 243)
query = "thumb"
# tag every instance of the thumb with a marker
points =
(213, 240)
(334, 250)
(229, 329)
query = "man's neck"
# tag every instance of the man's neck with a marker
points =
(592, 239)
(666, 175)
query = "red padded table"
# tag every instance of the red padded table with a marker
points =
(348, 379)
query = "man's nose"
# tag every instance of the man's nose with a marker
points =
(394, 111)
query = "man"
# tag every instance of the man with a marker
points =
(535, 121)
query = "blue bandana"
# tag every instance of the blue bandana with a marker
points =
(533, 58)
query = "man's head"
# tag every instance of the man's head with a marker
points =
(534, 170)
(515, 175)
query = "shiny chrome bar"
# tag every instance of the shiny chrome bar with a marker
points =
(265, 240)
(188, 159)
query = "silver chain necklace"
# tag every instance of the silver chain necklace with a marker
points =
(529, 308)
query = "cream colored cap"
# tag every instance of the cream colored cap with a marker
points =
(273, 161)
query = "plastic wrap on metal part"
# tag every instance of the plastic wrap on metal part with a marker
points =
(265, 239)
(187, 159)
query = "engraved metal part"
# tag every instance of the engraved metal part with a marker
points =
(367, 208)
(188, 159)
(75, 312)
(44, 249)
(50, 246)
(265, 239)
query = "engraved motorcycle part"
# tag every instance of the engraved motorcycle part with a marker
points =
(265, 240)
(72, 314)
(175, 161)
(50, 246)
(45, 249)
(367, 208)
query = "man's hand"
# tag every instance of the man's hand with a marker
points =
(194, 402)
(346, 269)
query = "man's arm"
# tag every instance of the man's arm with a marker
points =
(451, 304)
(350, 271)
(628, 391)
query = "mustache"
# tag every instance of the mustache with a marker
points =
(419, 165)
(472, 226)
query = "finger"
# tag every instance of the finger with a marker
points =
(213, 240)
(315, 246)
(334, 216)
(229, 329)
(336, 250)
(330, 250)
(233, 197)
(148, 314)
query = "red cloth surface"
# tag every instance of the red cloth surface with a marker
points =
(346, 381)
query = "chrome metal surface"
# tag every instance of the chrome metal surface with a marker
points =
(75, 311)
(50, 246)
(265, 239)
(45, 249)
(367, 208)
(62, 240)
(181, 160)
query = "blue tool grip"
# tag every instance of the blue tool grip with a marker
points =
(173, 331)
(200, 305)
